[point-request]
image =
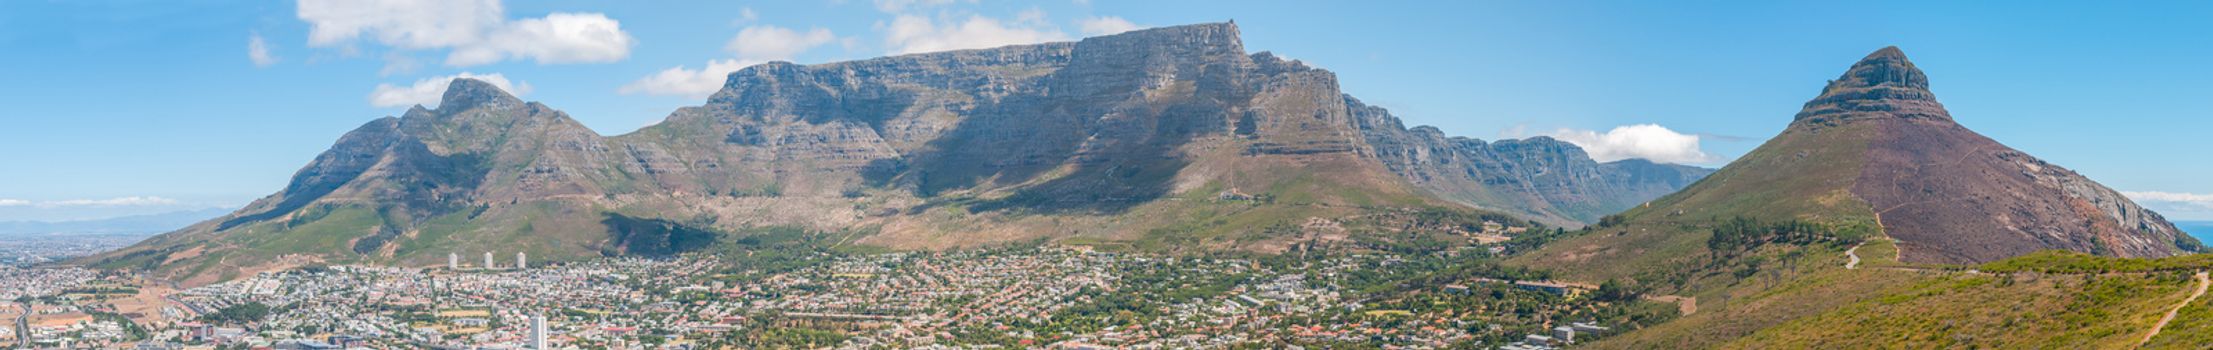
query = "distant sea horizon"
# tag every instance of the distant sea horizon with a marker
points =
(2203, 230)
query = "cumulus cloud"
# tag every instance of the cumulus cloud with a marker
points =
(753, 45)
(903, 5)
(258, 51)
(557, 38)
(1106, 25)
(428, 90)
(476, 31)
(1644, 141)
(687, 82)
(2179, 204)
(776, 43)
(912, 34)
(413, 24)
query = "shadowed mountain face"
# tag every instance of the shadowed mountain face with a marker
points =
(1109, 138)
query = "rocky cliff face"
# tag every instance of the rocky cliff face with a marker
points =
(1110, 137)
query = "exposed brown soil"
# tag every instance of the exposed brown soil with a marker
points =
(1952, 196)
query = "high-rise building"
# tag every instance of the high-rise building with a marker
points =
(538, 332)
(453, 261)
(521, 261)
(488, 260)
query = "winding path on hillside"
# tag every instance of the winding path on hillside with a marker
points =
(1683, 305)
(1854, 253)
(2202, 283)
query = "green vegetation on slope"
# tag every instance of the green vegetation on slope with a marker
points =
(1802, 177)
(1986, 311)
(2192, 328)
(2068, 262)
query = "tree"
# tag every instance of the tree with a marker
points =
(1614, 290)
(248, 312)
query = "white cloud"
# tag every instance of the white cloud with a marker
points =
(692, 83)
(258, 51)
(1106, 25)
(776, 43)
(912, 34)
(2157, 196)
(1645, 141)
(2177, 204)
(13, 202)
(428, 90)
(753, 45)
(476, 31)
(412, 24)
(557, 38)
(895, 6)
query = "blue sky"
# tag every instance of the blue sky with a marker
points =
(144, 106)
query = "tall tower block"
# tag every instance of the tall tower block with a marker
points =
(538, 332)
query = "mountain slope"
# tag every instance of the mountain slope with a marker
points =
(1169, 138)
(1875, 148)
(1874, 166)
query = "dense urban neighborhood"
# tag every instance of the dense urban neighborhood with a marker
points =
(1026, 296)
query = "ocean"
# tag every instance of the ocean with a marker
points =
(2203, 230)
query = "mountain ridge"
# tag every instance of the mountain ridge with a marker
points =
(1171, 134)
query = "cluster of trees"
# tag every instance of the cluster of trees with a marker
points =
(766, 335)
(1146, 291)
(1611, 220)
(760, 252)
(1615, 291)
(1744, 233)
(248, 312)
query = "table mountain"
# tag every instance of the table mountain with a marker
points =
(1169, 138)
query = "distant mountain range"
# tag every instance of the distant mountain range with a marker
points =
(126, 225)
(1170, 138)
